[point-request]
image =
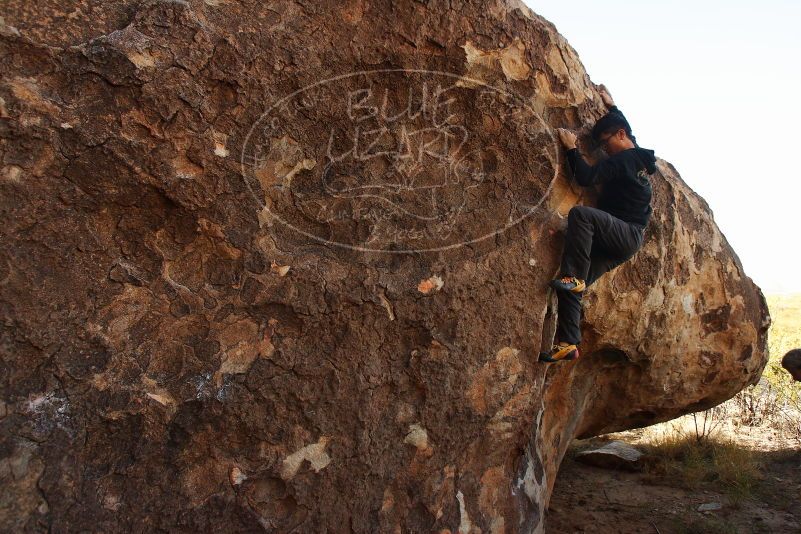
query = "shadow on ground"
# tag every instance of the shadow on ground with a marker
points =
(590, 499)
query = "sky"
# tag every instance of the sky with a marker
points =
(714, 88)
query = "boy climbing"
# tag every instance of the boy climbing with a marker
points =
(599, 239)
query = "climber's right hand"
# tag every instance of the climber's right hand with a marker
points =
(605, 96)
(567, 138)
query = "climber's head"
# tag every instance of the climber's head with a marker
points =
(792, 363)
(613, 133)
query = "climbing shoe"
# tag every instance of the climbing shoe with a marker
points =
(568, 283)
(560, 352)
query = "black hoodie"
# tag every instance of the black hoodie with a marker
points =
(626, 186)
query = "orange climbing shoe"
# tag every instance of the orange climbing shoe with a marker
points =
(568, 283)
(560, 352)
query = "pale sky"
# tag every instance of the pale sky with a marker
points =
(714, 88)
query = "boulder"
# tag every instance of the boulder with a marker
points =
(710, 507)
(613, 455)
(283, 267)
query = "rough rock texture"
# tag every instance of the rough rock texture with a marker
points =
(244, 287)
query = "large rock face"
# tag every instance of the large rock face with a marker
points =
(282, 266)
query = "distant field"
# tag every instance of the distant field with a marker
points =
(780, 401)
(785, 330)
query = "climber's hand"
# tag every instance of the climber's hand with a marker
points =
(605, 96)
(567, 138)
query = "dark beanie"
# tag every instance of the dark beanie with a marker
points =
(792, 360)
(611, 122)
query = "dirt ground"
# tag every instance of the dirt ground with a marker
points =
(594, 500)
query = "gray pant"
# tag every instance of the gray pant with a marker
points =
(596, 242)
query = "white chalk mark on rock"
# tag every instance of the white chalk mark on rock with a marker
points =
(387, 305)
(428, 285)
(464, 520)
(314, 454)
(280, 269)
(417, 436)
(236, 476)
(220, 140)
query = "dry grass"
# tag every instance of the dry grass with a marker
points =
(713, 462)
(775, 401)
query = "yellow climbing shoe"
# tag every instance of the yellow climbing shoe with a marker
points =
(568, 283)
(560, 352)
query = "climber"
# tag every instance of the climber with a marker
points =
(792, 364)
(601, 238)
